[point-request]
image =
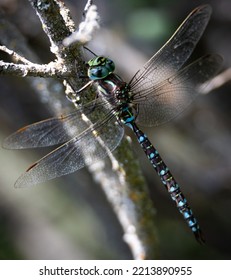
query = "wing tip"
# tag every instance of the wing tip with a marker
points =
(202, 7)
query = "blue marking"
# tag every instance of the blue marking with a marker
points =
(187, 215)
(152, 155)
(182, 203)
(173, 188)
(194, 229)
(191, 223)
(163, 181)
(141, 139)
(163, 171)
(128, 120)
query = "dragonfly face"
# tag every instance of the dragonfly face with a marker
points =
(100, 67)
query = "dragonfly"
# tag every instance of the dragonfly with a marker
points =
(157, 93)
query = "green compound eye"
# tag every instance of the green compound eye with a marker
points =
(98, 72)
(100, 67)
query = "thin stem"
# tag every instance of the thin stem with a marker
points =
(15, 56)
(34, 70)
(124, 186)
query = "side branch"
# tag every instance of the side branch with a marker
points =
(124, 186)
(34, 70)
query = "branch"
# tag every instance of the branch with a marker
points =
(33, 70)
(86, 28)
(124, 186)
(15, 56)
(28, 68)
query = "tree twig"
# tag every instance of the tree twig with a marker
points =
(124, 186)
(34, 70)
(15, 56)
(86, 28)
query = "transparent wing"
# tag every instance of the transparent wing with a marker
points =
(88, 147)
(162, 102)
(175, 52)
(55, 130)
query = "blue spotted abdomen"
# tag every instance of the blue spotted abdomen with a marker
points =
(169, 182)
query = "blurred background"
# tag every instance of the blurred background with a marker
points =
(70, 218)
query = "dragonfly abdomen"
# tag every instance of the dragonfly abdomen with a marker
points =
(169, 182)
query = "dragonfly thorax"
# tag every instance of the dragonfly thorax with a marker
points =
(114, 89)
(110, 85)
(117, 92)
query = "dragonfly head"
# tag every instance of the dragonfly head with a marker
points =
(100, 67)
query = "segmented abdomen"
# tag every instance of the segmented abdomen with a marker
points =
(169, 182)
